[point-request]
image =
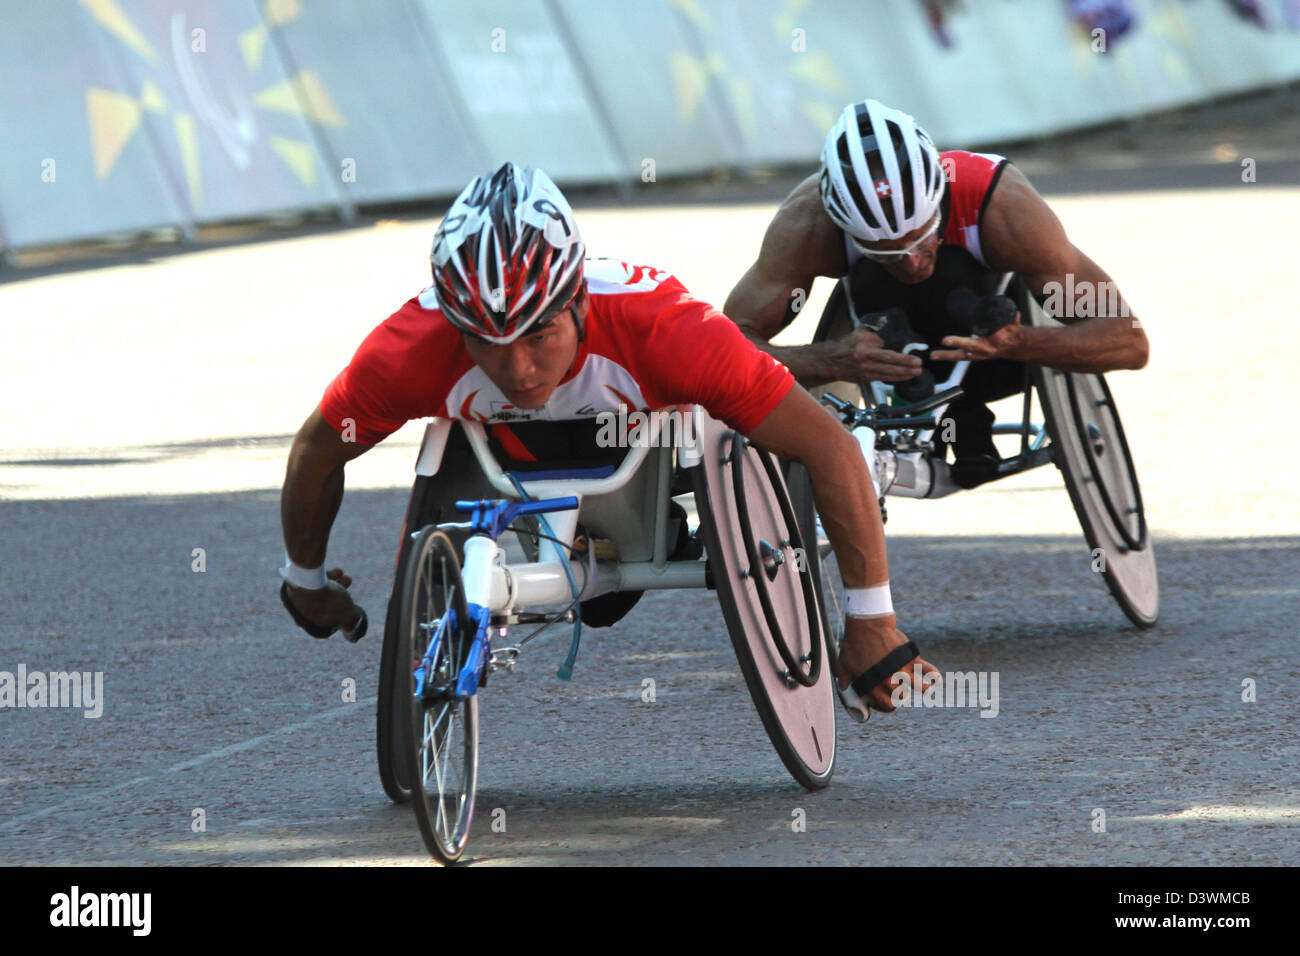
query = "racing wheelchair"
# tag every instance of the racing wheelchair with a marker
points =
(587, 529)
(1079, 431)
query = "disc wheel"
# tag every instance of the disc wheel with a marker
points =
(441, 731)
(762, 572)
(1092, 452)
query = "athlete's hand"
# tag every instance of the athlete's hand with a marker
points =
(328, 607)
(859, 357)
(1001, 344)
(867, 641)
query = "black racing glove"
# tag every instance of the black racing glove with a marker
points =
(896, 334)
(980, 314)
(315, 630)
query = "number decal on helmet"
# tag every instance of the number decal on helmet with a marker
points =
(508, 256)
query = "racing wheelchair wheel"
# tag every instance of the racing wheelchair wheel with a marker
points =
(1089, 447)
(768, 592)
(825, 570)
(441, 732)
(390, 743)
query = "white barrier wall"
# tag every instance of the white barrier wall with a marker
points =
(121, 115)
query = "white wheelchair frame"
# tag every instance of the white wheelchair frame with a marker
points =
(503, 588)
(755, 561)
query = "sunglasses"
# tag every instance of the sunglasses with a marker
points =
(898, 255)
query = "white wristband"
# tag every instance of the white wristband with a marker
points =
(309, 579)
(868, 602)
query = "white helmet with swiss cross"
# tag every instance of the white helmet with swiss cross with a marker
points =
(881, 176)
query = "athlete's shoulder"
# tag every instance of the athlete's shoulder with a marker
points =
(805, 200)
(412, 344)
(966, 159)
(802, 240)
(617, 277)
(419, 313)
(802, 213)
(628, 300)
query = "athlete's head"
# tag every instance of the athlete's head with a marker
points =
(882, 183)
(507, 272)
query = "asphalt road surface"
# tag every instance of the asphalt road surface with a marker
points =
(151, 404)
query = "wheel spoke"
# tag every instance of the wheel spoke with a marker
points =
(447, 794)
(439, 820)
(438, 747)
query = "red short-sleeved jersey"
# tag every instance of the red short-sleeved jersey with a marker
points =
(649, 344)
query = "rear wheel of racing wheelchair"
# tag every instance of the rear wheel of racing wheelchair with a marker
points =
(1089, 447)
(430, 502)
(763, 574)
(391, 746)
(440, 732)
(821, 560)
(390, 742)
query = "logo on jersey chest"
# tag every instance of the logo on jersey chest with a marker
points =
(505, 412)
(601, 385)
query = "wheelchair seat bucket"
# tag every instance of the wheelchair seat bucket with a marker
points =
(761, 568)
(1092, 453)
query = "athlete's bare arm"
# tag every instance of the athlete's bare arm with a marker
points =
(800, 429)
(800, 244)
(1020, 233)
(309, 501)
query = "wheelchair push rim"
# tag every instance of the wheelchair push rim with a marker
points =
(755, 548)
(442, 732)
(826, 572)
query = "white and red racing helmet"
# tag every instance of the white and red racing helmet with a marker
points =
(507, 257)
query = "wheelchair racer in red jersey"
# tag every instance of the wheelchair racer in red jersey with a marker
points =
(909, 225)
(517, 326)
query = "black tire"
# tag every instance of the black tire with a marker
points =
(391, 748)
(1091, 451)
(432, 592)
(429, 503)
(799, 717)
(390, 743)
